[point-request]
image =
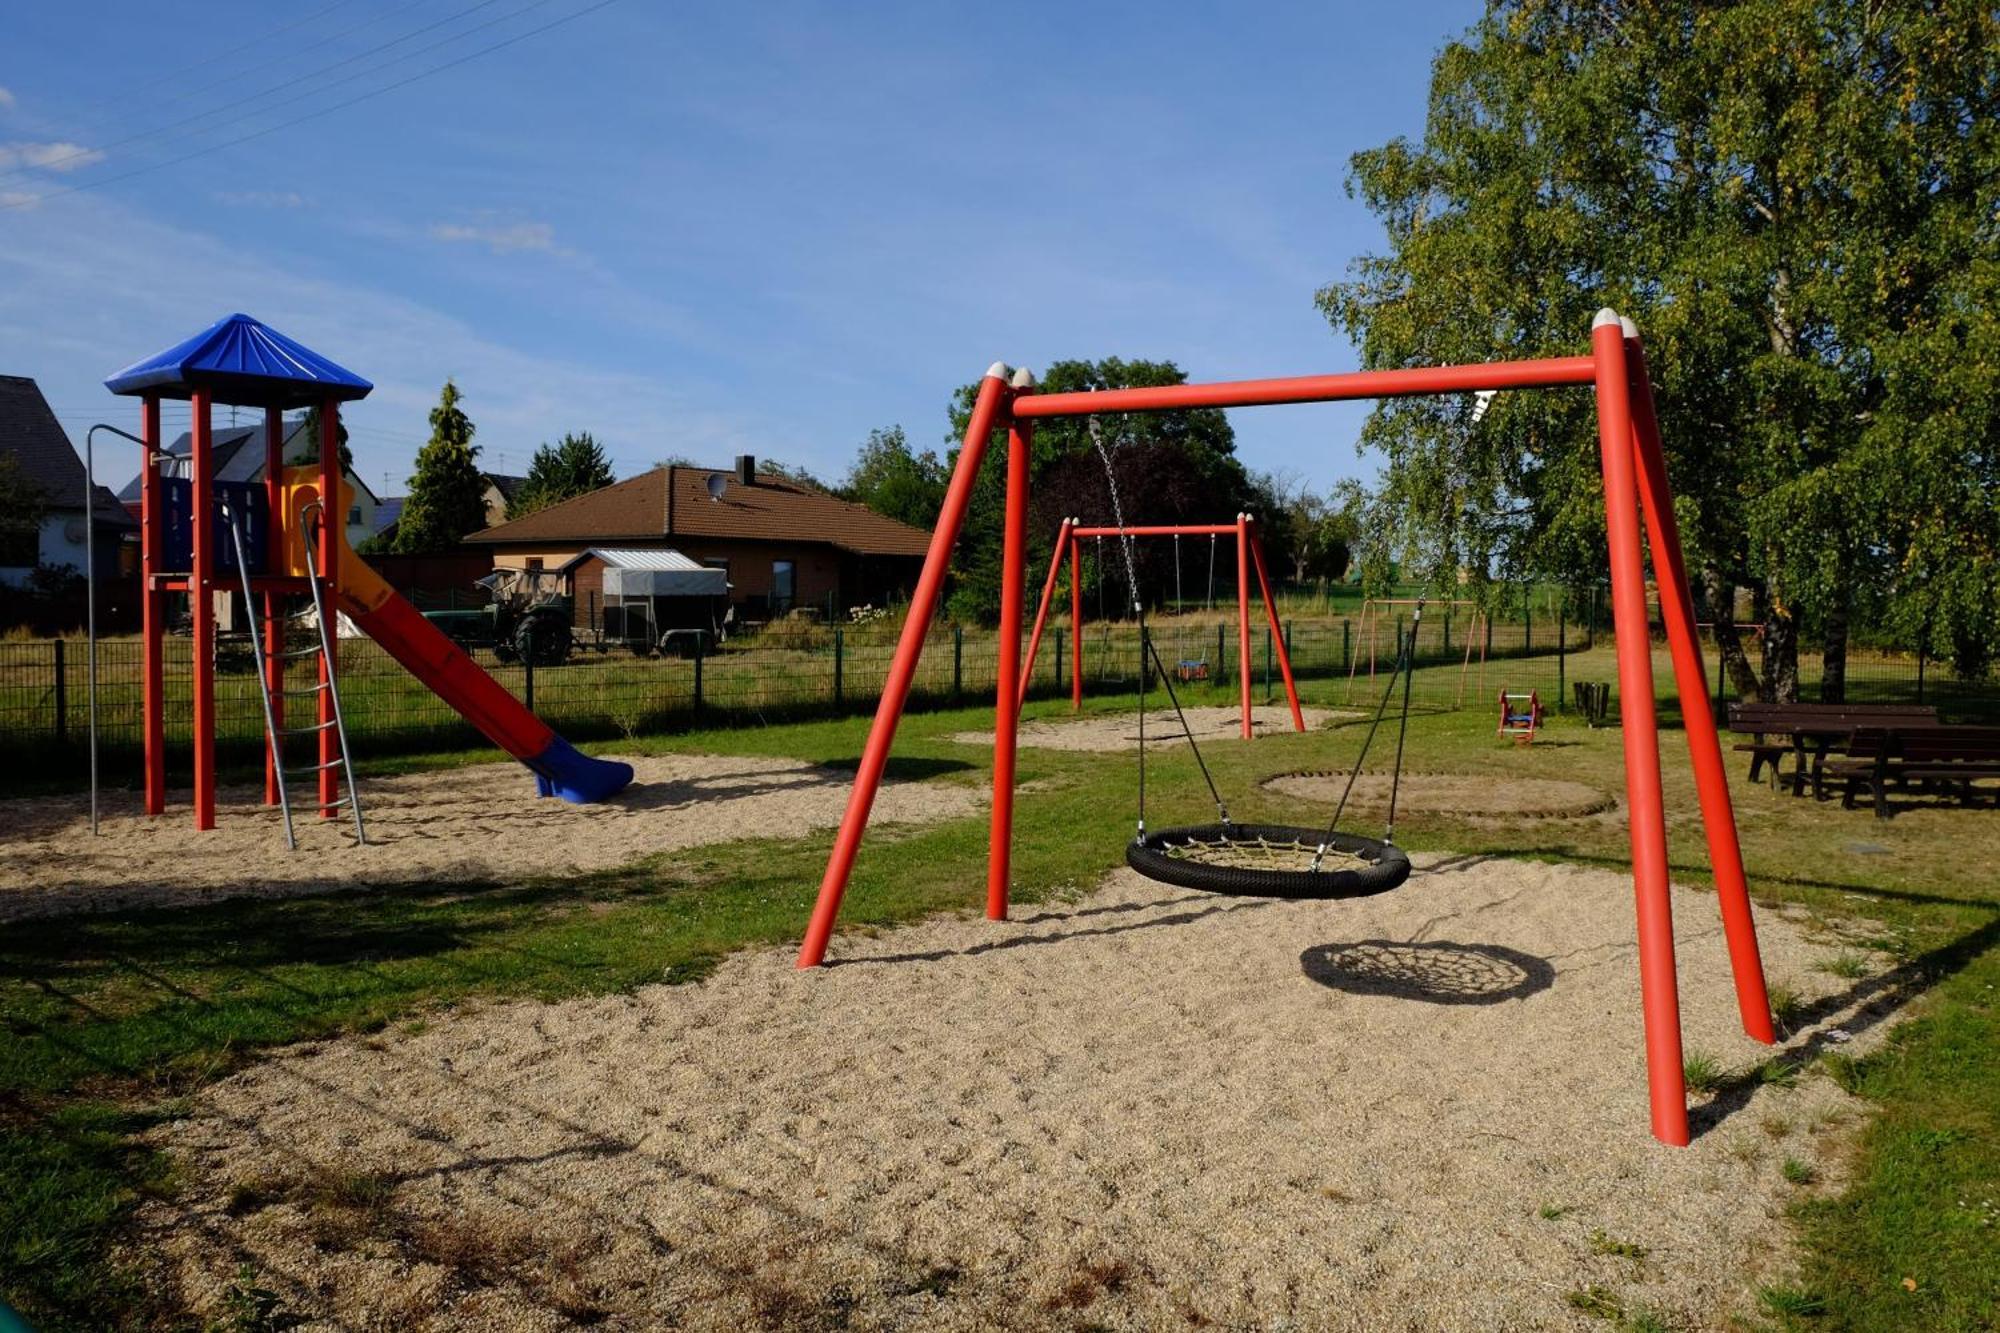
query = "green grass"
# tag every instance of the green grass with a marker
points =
(1702, 1072)
(111, 1020)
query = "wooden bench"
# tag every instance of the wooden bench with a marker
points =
(1793, 724)
(1940, 758)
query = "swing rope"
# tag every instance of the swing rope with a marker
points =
(1147, 647)
(1405, 652)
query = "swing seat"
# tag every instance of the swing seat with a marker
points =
(1269, 861)
(1191, 668)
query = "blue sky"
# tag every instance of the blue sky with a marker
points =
(698, 230)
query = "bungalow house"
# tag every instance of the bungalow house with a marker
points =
(42, 457)
(238, 452)
(782, 545)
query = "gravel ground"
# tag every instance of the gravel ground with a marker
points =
(477, 823)
(1148, 1108)
(1484, 797)
(1120, 731)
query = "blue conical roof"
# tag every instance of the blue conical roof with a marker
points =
(239, 360)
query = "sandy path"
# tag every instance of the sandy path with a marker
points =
(1148, 1109)
(1120, 731)
(475, 823)
(1487, 796)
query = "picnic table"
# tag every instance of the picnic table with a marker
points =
(1810, 733)
(1936, 758)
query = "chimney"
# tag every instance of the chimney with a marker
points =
(746, 469)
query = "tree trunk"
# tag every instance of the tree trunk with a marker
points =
(1736, 668)
(1781, 655)
(1833, 671)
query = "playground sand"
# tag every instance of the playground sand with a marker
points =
(481, 823)
(1477, 798)
(1146, 1109)
(1120, 731)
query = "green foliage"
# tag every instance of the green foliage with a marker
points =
(1171, 467)
(447, 492)
(574, 465)
(23, 506)
(1702, 1071)
(1794, 200)
(311, 430)
(895, 480)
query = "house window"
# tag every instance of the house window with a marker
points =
(781, 586)
(354, 517)
(534, 562)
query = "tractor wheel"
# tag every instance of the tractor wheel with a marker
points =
(544, 640)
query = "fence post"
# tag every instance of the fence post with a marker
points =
(528, 690)
(700, 642)
(1287, 641)
(1221, 671)
(1145, 660)
(1447, 633)
(1346, 644)
(1562, 658)
(1527, 631)
(1721, 677)
(839, 665)
(1267, 663)
(957, 661)
(1059, 660)
(62, 698)
(1922, 653)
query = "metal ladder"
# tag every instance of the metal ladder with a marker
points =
(323, 650)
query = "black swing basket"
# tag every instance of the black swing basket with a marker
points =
(1268, 861)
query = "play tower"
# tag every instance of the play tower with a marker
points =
(292, 531)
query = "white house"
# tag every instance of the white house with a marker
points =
(32, 438)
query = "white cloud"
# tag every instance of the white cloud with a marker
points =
(501, 239)
(48, 156)
(18, 199)
(94, 285)
(6, 99)
(262, 199)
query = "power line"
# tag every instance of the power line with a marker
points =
(290, 84)
(33, 199)
(134, 94)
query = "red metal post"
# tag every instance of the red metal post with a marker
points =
(1075, 623)
(1658, 991)
(201, 601)
(1042, 612)
(1711, 779)
(1243, 614)
(153, 607)
(1163, 530)
(1277, 633)
(332, 526)
(273, 628)
(1542, 374)
(986, 411)
(1006, 705)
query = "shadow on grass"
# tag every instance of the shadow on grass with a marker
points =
(1861, 1007)
(904, 768)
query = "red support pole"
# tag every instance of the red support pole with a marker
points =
(1243, 614)
(986, 410)
(1006, 705)
(153, 608)
(1277, 634)
(273, 628)
(1075, 623)
(1658, 991)
(1711, 779)
(1042, 613)
(332, 521)
(201, 602)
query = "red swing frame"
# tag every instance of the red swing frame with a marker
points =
(1635, 483)
(1249, 555)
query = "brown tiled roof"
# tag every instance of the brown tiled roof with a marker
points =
(674, 502)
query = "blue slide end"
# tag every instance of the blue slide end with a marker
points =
(565, 771)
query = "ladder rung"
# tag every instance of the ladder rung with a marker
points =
(302, 652)
(335, 805)
(314, 768)
(304, 689)
(307, 731)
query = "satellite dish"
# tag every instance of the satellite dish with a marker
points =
(717, 484)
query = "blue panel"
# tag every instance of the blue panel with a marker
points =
(245, 498)
(239, 360)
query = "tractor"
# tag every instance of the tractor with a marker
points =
(528, 619)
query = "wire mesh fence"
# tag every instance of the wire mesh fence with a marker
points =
(821, 671)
